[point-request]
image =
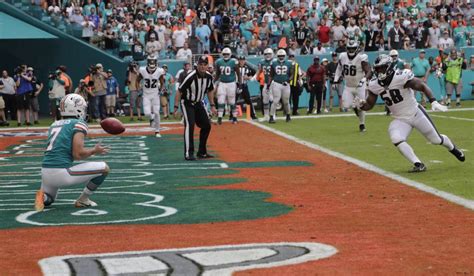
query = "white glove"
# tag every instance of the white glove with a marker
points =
(435, 106)
(361, 82)
(358, 102)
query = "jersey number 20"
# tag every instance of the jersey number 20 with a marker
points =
(394, 96)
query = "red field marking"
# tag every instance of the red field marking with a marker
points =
(378, 225)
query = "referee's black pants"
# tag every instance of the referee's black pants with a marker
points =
(195, 113)
(245, 94)
(295, 98)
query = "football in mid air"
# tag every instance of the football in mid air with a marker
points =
(112, 126)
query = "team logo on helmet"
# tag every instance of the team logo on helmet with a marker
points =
(73, 105)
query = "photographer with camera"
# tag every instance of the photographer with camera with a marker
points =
(99, 77)
(57, 91)
(23, 93)
(37, 88)
(134, 90)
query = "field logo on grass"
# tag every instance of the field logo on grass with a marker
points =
(212, 260)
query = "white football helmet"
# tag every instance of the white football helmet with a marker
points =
(152, 62)
(226, 53)
(268, 54)
(281, 54)
(353, 48)
(73, 105)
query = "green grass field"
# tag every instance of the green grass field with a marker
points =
(444, 172)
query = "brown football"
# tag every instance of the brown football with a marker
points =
(112, 126)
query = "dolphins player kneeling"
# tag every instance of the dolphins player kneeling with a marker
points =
(396, 87)
(66, 144)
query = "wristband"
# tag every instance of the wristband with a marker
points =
(432, 100)
(213, 105)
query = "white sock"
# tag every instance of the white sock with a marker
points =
(447, 142)
(361, 117)
(407, 151)
(157, 122)
(85, 194)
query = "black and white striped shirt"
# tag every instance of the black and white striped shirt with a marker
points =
(193, 88)
(246, 71)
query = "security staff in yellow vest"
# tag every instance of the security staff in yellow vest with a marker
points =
(296, 85)
(454, 66)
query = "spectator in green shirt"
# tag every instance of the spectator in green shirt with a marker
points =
(454, 66)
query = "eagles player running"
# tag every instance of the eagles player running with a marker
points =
(281, 73)
(354, 67)
(152, 77)
(396, 88)
(226, 71)
(66, 144)
(265, 66)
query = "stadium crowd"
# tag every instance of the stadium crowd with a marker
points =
(178, 29)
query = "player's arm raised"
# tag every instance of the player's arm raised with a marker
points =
(418, 85)
(79, 152)
(338, 75)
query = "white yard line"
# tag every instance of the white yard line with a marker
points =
(417, 185)
(454, 118)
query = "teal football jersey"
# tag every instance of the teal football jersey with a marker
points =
(266, 66)
(226, 69)
(58, 152)
(281, 70)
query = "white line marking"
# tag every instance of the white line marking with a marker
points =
(16, 209)
(420, 186)
(453, 118)
(144, 158)
(19, 152)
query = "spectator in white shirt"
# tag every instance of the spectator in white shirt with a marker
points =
(184, 53)
(445, 42)
(434, 35)
(153, 47)
(8, 92)
(180, 36)
(319, 50)
(87, 29)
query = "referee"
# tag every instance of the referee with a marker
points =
(190, 97)
(246, 72)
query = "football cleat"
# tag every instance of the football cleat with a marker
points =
(190, 158)
(84, 203)
(362, 128)
(234, 120)
(39, 200)
(419, 167)
(204, 155)
(458, 153)
(264, 119)
(288, 118)
(157, 135)
(271, 121)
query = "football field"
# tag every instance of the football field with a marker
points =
(313, 196)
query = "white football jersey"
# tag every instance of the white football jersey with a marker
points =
(351, 68)
(400, 100)
(151, 81)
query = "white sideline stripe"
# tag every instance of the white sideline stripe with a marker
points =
(454, 118)
(417, 185)
(351, 114)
